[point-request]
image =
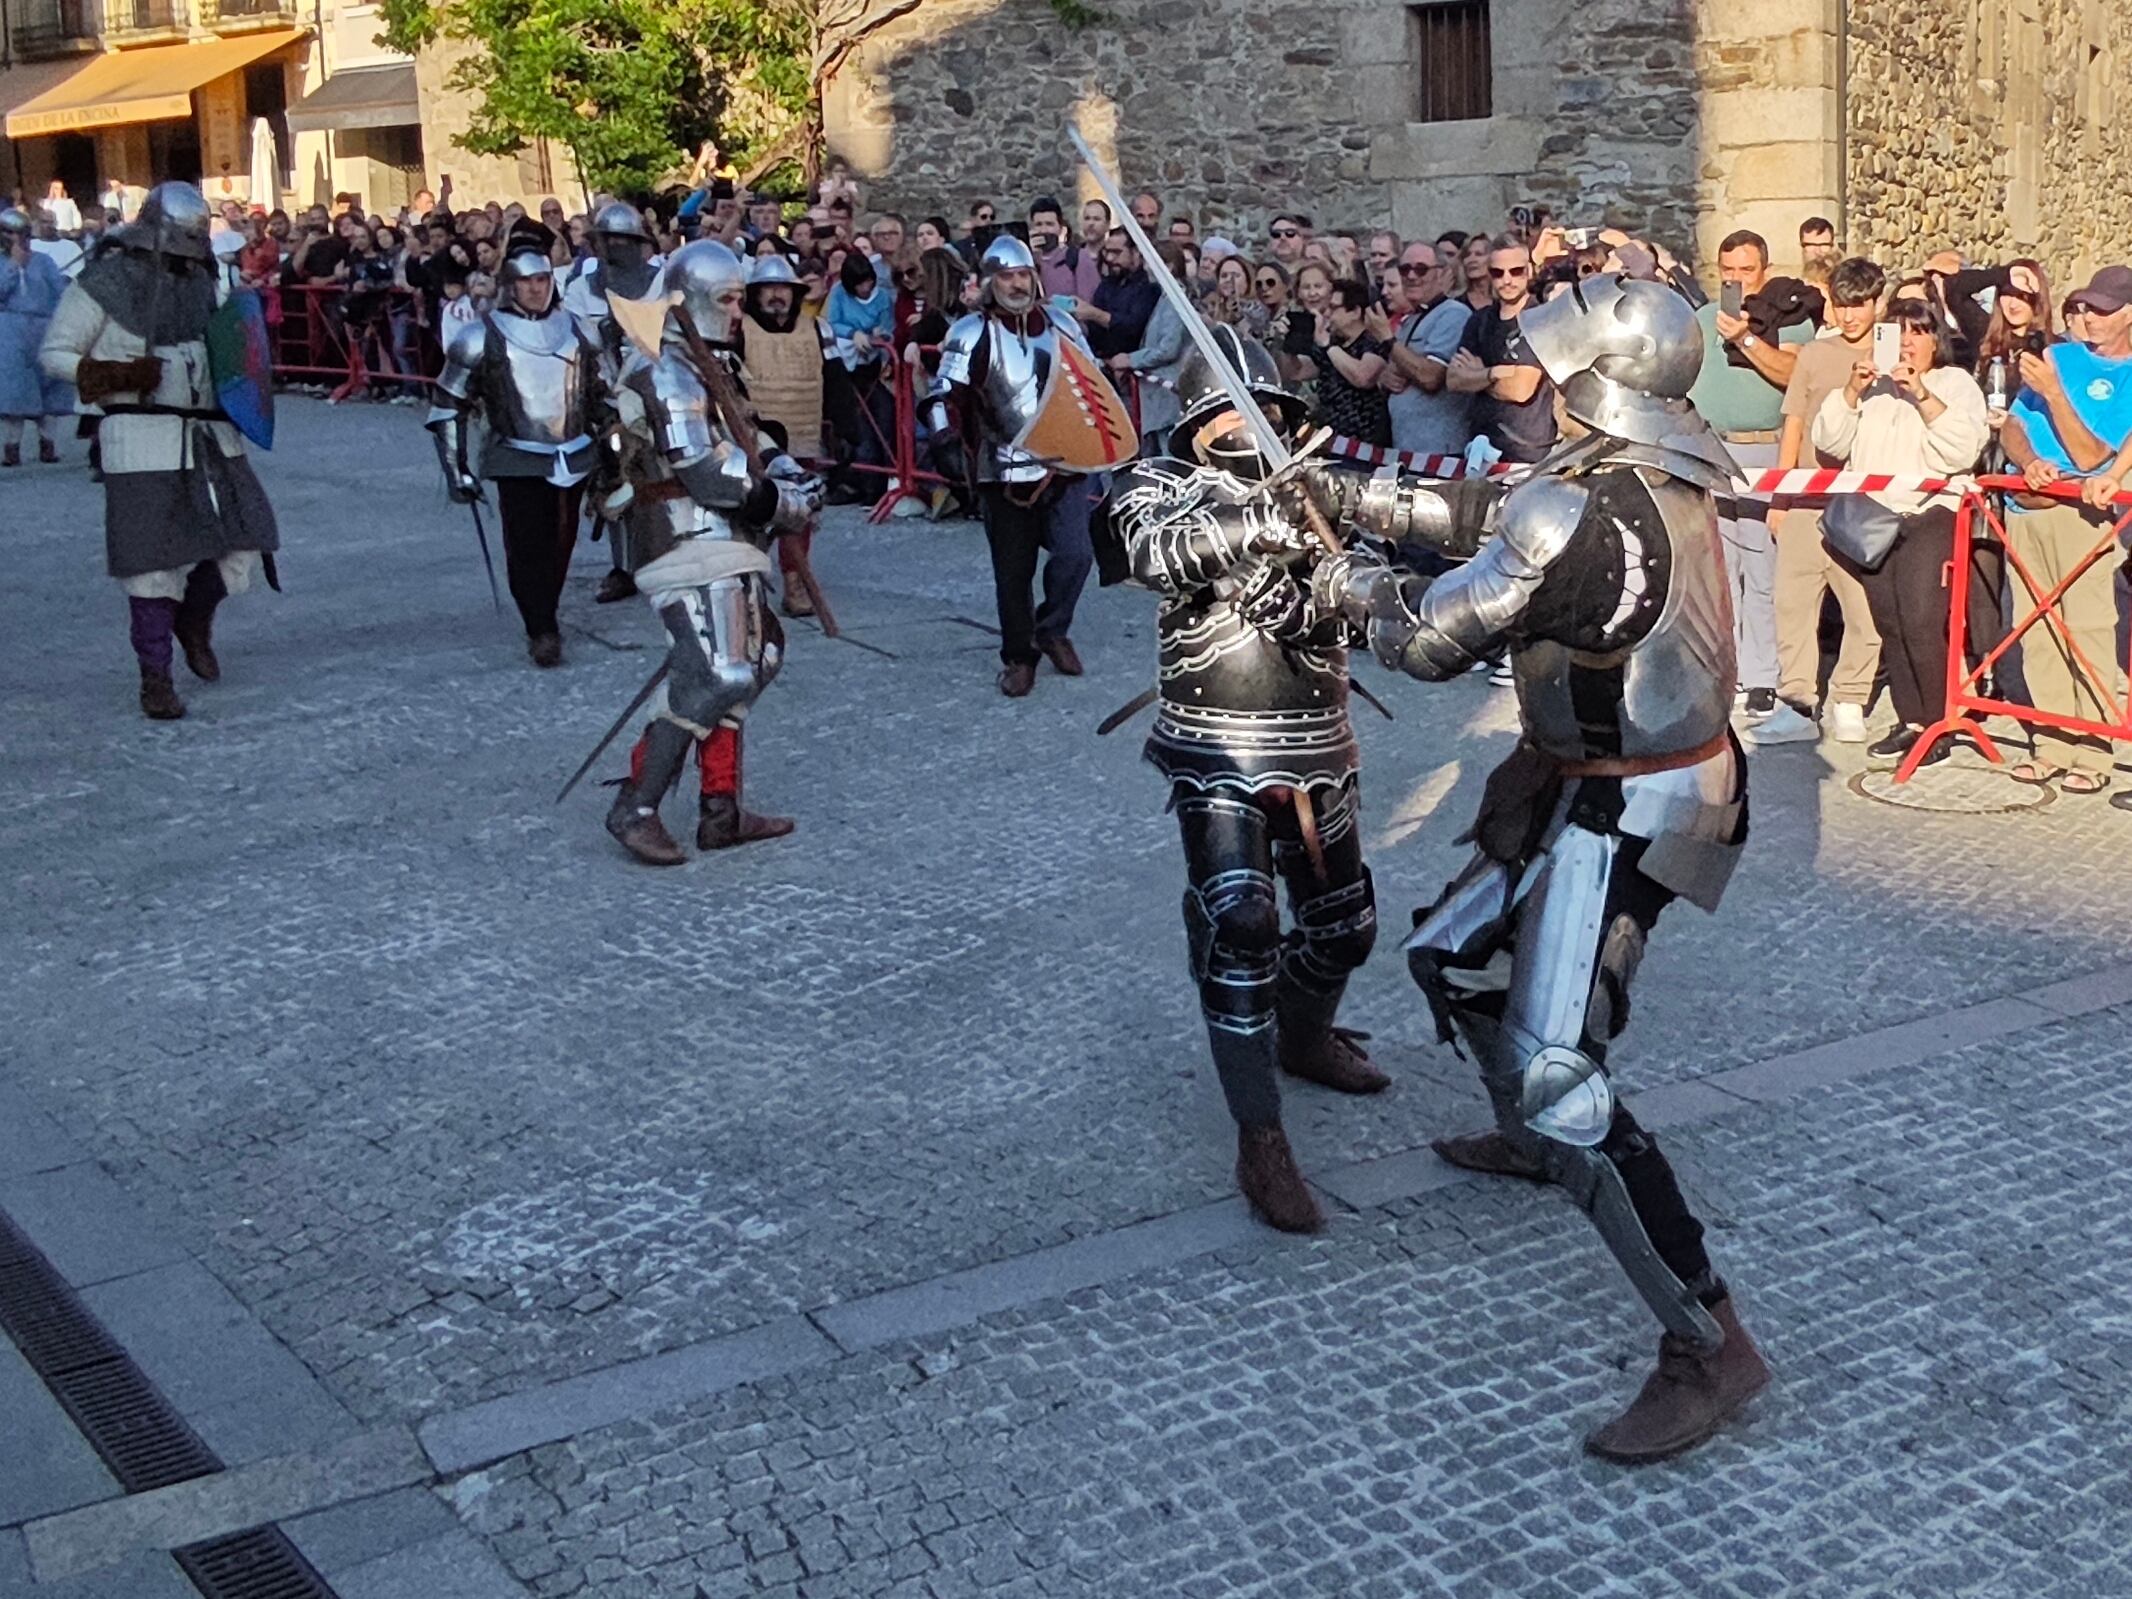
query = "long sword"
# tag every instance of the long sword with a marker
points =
(651, 683)
(1263, 434)
(481, 534)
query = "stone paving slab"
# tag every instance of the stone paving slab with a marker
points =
(1395, 1409)
(45, 1465)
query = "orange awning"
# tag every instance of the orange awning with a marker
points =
(140, 85)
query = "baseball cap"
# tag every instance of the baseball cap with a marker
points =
(2107, 291)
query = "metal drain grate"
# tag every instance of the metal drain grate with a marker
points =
(259, 1564)
(143, 1440)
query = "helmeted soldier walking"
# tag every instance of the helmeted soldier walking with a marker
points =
(707, 494)
(185, 521)
(996, 365)
(1605, 580)
(1252, 733)
(624, 261)
(533, 375)
(781, 353)
(31, 287)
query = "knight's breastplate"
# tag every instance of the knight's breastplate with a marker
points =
(1628, 645)
(1238, 710)
(535, 385)
(1014, 380)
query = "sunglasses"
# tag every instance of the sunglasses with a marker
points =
(2025, 296)
(1509, 272)
(1287, 233)
(1269, 283)
(1415, 268)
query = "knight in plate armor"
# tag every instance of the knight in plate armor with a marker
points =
(706, 500)
(533, 374)
(624, 260)
(1605, 580)
(185, 521)
(995, 364)
(1252, 733)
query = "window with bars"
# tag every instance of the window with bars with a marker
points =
(1454, 79)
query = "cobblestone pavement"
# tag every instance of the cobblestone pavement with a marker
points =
(457, 1101)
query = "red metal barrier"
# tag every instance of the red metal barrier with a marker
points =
(1966, 704)
(312, 341)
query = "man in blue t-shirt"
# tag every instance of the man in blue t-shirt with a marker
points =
(2072, 416)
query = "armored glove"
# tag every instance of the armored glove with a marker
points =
(463, 487)
(797, 504)
(1344, 585)
(1315, 485)
(1274, 602)
(97, 381)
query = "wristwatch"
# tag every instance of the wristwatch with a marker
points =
(1748, 342)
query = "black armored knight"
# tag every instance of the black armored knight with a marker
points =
(1252, 732)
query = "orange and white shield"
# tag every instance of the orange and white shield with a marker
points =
(1081, 422)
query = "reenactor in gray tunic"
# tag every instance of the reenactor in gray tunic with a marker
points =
(185, 521)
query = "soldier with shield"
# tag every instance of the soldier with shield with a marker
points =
(185, 521)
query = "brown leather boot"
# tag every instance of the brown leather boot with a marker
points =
(1061, 653)
(1017, 678)
(1334, 1059)
(159, 697)
(195, 635)
(721, 823)
(796, 602)
(1688, 1397)
(11, 455)
(616, 585)
(1492, 1153)
(1266, 1172)
(641, 832)
(546, 649)
(47, 452)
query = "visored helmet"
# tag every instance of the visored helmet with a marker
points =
(619, 237)
(175, 220)
(1624, 352)
(1202, 397)
(14, 223)
(700, 277)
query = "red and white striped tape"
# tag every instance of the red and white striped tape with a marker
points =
(1797, 482)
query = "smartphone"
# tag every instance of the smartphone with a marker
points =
(1887, 347)
(1730, 299)
(1580, 238)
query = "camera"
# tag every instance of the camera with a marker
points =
(1580, 238)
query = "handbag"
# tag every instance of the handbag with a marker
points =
(1860, 529)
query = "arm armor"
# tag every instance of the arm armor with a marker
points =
(1445, 518)
(958, 352)
(1181, 533)
(1437, 630)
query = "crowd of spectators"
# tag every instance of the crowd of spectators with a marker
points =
(1414, 344)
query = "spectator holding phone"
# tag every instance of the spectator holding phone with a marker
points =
(2072, 416)
(1747, 363)
(1923, 419)
(1806, 568)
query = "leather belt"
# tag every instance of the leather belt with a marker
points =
(666, 488)
(1645, 765)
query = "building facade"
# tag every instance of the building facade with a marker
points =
(1986, 125)
(265, 102)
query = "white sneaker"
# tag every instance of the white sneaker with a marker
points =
(1783, 725)
(1503, 676)
(1849, 723)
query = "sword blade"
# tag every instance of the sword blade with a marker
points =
(651, 685)
(1268, 441)
(481, 535)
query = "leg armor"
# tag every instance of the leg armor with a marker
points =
(719, 658)
(1335, 915)
(1233, 933)
(1574, 929)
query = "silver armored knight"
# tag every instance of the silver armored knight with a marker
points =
(705, 500)
(1605, 581)
(533, 375)
(996, 364)
(1252, 732)
(624, 260)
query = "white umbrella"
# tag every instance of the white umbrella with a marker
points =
(266, 186)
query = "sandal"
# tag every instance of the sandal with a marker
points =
(2083, 782)
(2036, 774)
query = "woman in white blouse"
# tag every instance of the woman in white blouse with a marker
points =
(1926, 418)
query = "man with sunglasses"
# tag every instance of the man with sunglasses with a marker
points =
(1289, 234)
(1428, 416)
(1513, 402)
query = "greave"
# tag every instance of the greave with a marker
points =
(1244, 1061)
(667, 746)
